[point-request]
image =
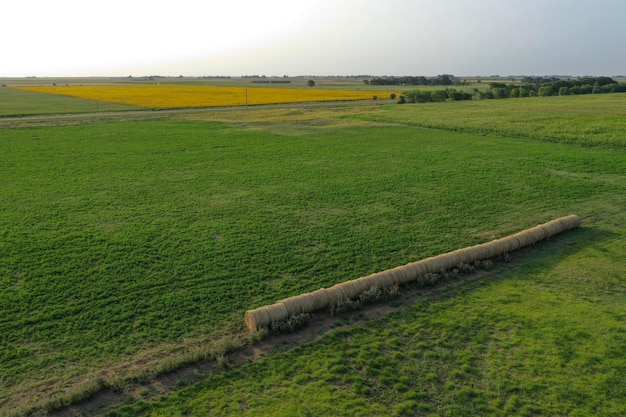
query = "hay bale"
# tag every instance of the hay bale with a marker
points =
(414, 270)
(307, 302)
(258, 318)
(491, 249)
(505, 245)
(399, 275)
(454, 259)
(351, 289)
(383, 279)
(542, 232)
(362, 284)
(464, 254)
(337, 294)
(526, 239)
(277, 313)
(293, 305)
(321, 297)
(436, 264)
(479, 252)
(407, 274)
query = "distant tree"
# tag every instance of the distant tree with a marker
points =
(596, 88)
(545, 90)
(445, 79)
(392, 96)
(310, 83)
(440, 95)
(366, 82)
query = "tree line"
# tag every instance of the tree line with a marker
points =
(530, 87)
(443, 79)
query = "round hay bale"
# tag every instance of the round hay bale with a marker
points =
(307, 302)
(573, 220)
(504, 246)
(479, 252)
(537, 235)
(293, 305)
(351, 289)
(553, 228)
(337, 294)
(362, 284)
(321, 297)
(493, 249)
(511, 244)
(436, 264)
(454, 259)
(277, 313)
(464, 255)
(258, 318)
(523, 238)
(383, 279)
(399, 275)
(569, 222)
(366, 282)
(516, 242)
(407, 274)
(415, 270)
(541, 232)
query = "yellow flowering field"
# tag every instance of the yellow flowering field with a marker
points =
(161, 96)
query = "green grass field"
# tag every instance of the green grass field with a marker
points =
(126, 242)
(14, 103)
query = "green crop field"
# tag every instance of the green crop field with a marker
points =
(126, 243)
(14, 102)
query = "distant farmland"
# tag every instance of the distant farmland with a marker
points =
(133, 244)
(169, 96)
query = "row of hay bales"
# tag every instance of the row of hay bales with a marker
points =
(320, 299)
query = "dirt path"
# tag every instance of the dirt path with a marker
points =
(319, 327)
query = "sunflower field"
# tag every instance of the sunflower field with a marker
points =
(166, 96)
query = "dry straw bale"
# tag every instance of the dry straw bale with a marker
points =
(543, 232)
(399, 276)
(414, 271)
(383, 279)
(464, 255)
(337, 294)
(493, 249)
(322, 298)
(278, 313)
(479, 252)
(293, 305)
(307, 302)
(504, 244)
(363, 285)
(351, 289)
(408, 274)
(454, 259)
(436, 264)
(257, 318)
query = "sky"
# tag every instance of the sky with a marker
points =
(49, 38)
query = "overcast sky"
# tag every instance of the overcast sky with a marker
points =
(312, 37)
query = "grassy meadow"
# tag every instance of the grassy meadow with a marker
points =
(15, 103)
(126, 243)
